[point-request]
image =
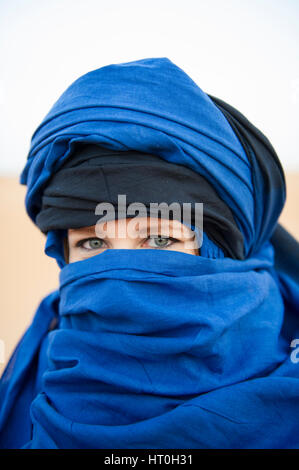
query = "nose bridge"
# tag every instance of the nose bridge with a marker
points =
(121, 234)
(125, 236)
(126, 243)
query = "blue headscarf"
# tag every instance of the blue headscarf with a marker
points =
(152, 348)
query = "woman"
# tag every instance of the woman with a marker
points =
(156, 348)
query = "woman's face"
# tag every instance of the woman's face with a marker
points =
(137, 233)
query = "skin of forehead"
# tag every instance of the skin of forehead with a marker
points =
(129, 228)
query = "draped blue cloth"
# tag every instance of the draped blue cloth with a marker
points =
(156, 348)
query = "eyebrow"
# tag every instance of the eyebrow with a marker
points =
(81, 232)
(148, 229)
(144, 230)
(171, 231)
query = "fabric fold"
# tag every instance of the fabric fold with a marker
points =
(131, 365)
(152, 348)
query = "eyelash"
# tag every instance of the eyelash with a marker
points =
(80, 243)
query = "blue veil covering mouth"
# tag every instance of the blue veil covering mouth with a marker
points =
(152, 348)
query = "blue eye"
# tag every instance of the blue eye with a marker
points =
(160, 242)
(91, 243)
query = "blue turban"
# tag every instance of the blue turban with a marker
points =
(152, 348)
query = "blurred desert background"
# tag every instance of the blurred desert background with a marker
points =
(27, 274)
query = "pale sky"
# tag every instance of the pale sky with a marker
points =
(242, 51)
